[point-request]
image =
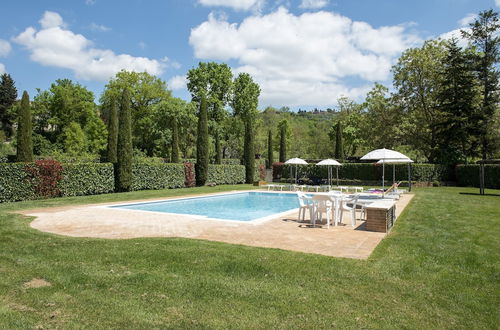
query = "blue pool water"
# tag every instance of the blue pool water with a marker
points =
(246, 206)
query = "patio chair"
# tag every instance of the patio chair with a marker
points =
(351, 209)
(305, 204)
(323, 204)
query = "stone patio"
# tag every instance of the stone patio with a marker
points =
(282, 233)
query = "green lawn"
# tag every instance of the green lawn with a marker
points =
(439, 268)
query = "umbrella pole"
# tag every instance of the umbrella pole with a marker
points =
(337, 176)
(409, 176)
(393, 173)
(383, 175)
(295, 173)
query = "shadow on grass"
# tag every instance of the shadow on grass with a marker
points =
(478, 194)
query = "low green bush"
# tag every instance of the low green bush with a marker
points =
(468, 175)
(16, 183)
(157, 176)
(369, 172)
(87, 179)
(226, 174)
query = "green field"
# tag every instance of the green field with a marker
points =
(439, 268)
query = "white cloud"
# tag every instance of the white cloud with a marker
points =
(99, 27)
(177, 82)
(235, 4)
(313, 4)
(470, 18)
(54, 45)
(89, 2)
(2, 68)
(306, 59)
(51, 19)
(169, 63)
(4, 48)
(497, 3)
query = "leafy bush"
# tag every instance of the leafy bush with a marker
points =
(468, 175)
(369, 171)
(189, 179)
(15, 183)
(157, 176)
(46, 175)
(226, 174)
(87, 179)
(277, 170)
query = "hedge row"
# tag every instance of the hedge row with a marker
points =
(226, 174)
(367, 172)
(87, 179)
(157, 176)
(18, 183)
(468, 176)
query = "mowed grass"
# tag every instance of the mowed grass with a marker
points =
(437, 269)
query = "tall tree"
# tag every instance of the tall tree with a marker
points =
(214, 81)
(382, 119)
(124, 144)
(146, 91)
(458, 98)
(284, 132)
(417, 80)
(339, 145)
(202, 155)
(484, 35)
(8, 95)
(270, 156)
(245, 102)
(24, 137)
(112, 133)
(175, 141)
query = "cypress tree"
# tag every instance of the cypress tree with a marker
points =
(24, 135)
(112, 133)
(218, 149)
(249, 152)
(339, 146)
(175, 141)
(124, 145)
(8, 95)
(201, 167)
(270, 159)
(283, 132)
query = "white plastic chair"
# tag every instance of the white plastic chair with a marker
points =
(323, 204)
(351, 209)
(305, 204)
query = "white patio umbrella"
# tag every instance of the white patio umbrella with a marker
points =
(296, 161)
(330, 162)
(379, 154)
(394, 162)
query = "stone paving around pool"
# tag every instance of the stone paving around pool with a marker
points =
(282, 233)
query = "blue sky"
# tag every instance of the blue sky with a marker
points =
(303, 53)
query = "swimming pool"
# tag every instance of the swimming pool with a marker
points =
(245, 206)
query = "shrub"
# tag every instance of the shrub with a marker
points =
(123, 167)
(189, 179)
(372, 172)
(87, 179)
(46, 175)
(468, 175)
(157, 176)
(24, 131)
(226, 174)
(202, 151)
(277, 170)
(15, 183)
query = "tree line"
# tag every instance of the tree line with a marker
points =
(442, 107)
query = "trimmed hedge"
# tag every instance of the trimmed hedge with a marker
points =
(468, 175)
(157, 176)
(16, 183)
(87, 179)
(368, 172)
(226, 174)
